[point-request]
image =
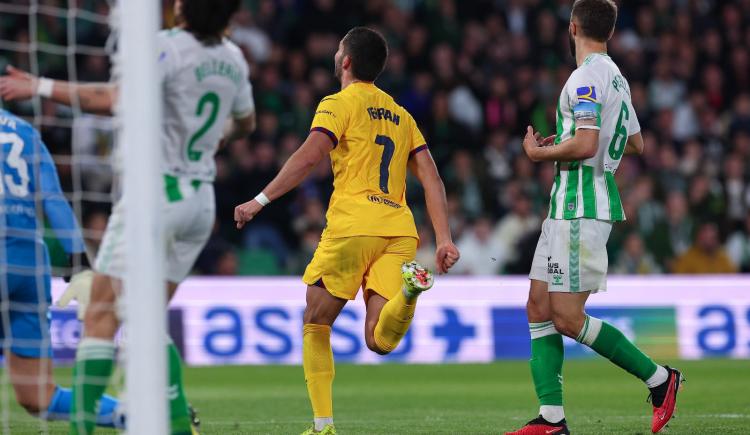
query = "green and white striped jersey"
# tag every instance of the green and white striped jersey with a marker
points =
(203, 86)
(596, 91)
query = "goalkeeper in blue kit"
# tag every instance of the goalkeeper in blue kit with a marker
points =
(30, 194)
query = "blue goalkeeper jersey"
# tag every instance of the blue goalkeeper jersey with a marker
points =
(30, 196)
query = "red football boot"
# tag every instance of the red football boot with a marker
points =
(668, 393)
(540, 426)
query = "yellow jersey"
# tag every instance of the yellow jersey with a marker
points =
(373, 139)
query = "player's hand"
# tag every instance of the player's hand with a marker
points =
(446, 256)
(17, 85)
(80, 290)
(244, 213)
(533, 141)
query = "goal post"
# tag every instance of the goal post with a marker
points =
(140, 110)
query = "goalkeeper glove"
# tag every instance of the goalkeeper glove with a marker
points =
(79, 289)
(79, 285)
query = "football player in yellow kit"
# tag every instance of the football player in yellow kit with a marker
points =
(371, 239)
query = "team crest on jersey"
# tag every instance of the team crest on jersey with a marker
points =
(586, 93)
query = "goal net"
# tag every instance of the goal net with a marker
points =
(99, 159)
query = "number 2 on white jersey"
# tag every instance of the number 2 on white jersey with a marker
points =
(214, 101)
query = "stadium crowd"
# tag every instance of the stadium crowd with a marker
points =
(474, 75)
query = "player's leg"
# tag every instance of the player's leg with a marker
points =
(334, 276)
(36, 391)
(570, 319)
(587, 268)
(96, 350)
(393, 284)
(96, 354)
(608, 341)
(317, 357)
(179, 410)
(32, 382)
(29, 360)
(188, 224)
(547, 352)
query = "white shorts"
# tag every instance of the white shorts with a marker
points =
(187, 226)
(571, 255)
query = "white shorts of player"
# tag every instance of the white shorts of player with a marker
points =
(187, 223)
(571, 255)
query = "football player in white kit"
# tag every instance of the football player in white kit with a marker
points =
(205, 82)
(596, 126)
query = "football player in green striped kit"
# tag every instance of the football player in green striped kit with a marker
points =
(596, 126)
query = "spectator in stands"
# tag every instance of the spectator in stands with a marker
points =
(706, 255)
(482, 256)
(634, 259)
(738, 246)
(514, 226)
(673, 235)
(471, 73)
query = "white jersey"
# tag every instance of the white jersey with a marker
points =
(203, 85)
(586, 189)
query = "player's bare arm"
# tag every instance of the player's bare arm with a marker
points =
(580, 147)
(423, 167)
(313, 150)
(635, 145)
(90, 97)
(237, 128)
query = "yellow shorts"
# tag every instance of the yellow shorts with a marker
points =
(343, 265)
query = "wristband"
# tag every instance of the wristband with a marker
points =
(262, 199)
(44, 87)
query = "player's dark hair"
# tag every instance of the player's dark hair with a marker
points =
(596, 18)
(207, 19)
(368, 50)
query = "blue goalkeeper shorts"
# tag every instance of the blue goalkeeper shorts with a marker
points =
(24, 310)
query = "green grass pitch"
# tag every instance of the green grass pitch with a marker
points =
(452, 399)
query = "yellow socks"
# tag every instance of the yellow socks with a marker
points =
(394, 322)
(317, 360)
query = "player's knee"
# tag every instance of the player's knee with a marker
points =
(317, 315)
(537, 310)
(100, 322)
(31, 404)
(566, 325)
(373, 345)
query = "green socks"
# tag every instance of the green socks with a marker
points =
(93, 368)
(546, 369)
(94, 363)
(547, 360)
(610, 343)
(178, 405)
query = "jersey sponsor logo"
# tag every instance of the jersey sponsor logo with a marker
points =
(555, 270)
(382, 200)
(586, 93)
(325, 112)
(380, 113)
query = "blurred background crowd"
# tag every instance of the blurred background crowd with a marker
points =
(474, 74)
